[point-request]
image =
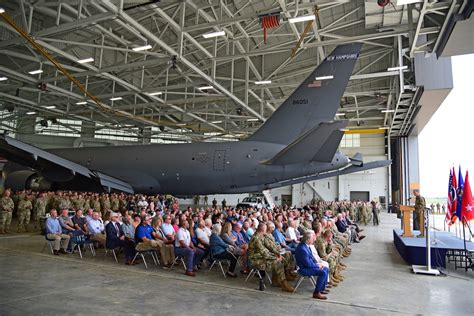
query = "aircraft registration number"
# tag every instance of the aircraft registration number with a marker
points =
(300, 101)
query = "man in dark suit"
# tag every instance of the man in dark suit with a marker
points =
(116, 238)
(308, 266)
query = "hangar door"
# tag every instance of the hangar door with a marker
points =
(360, 195)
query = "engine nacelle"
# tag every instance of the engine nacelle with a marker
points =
(27, 180)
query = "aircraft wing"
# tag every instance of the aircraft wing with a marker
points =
(322, 175)
(43, 161)
(318, 144)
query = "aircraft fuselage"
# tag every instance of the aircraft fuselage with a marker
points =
(196, 168)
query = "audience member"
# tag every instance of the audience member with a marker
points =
(54, 232)
(116, 238)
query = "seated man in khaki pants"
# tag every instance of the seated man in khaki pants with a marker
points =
(54, 232)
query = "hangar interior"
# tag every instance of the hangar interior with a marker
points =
(208, 71)
(82, 73)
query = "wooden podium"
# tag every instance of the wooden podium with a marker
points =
(406, 210)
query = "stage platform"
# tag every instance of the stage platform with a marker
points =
(413, 250)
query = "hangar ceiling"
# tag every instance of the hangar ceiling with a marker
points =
(186, 87)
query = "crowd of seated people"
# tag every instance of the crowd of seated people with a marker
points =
(312, 240)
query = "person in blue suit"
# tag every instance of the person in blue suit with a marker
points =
(308, 266)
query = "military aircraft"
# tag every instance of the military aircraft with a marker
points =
(298, 143)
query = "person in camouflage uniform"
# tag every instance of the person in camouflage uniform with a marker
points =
(79, 203)
(39, 210)
(114, 203)
(375, 213)
(364, 216)
(325, 251)
(420, 205)
(340, 241)
(105, 204)
(353, 212)
(263, 259)
(270, 244)
(24, 213)
(6, 210)
(123, 202)
(87, 203)
(56, 200)
(96, 205)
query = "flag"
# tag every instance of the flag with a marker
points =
(467, 208)
(315, 84)
(459, 190)
(451, 198)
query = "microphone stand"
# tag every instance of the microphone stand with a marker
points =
(426, 269)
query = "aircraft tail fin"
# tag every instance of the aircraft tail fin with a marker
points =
(318, 144)
(315, 101)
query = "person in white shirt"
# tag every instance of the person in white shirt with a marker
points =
(202, 233)
(291, 234)
(167, 228)
(185, 248)
(89, 215)
(142, 203)
(203, 237)
(96, 229)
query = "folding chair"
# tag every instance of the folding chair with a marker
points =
(301, 278)
(48, 242)
(81, 240)
(176, 259)
(254, 271)
(143, 253)
(113, 252)
(219, 263)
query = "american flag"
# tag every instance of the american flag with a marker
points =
(315, 84)
(452, 198)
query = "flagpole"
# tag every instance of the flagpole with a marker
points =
(464, 240)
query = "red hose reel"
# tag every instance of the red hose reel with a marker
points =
(269, 22)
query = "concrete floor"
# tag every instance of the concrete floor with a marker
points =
(378, 282)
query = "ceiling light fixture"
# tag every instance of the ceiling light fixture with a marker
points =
(50, 107)
(213, 34)
(30, 113)
(35, 72)
(155, 93)
(206, 88)
(404, 2)
(325, 77)
(181, 124)
(2, 10)
(340, 114)
(252, 120)
(216, 122)
(387, 111)
(115, 98)
(81, 102)
(263, 82)
(87, 60)
(397, 68)
(140, 48)
(3, 78)
(384, 127)
(302, 18)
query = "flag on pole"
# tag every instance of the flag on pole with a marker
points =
(459, 191)
(467, 208)
(452, 198)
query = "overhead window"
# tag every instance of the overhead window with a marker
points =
(58, 127)
(350, 140)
